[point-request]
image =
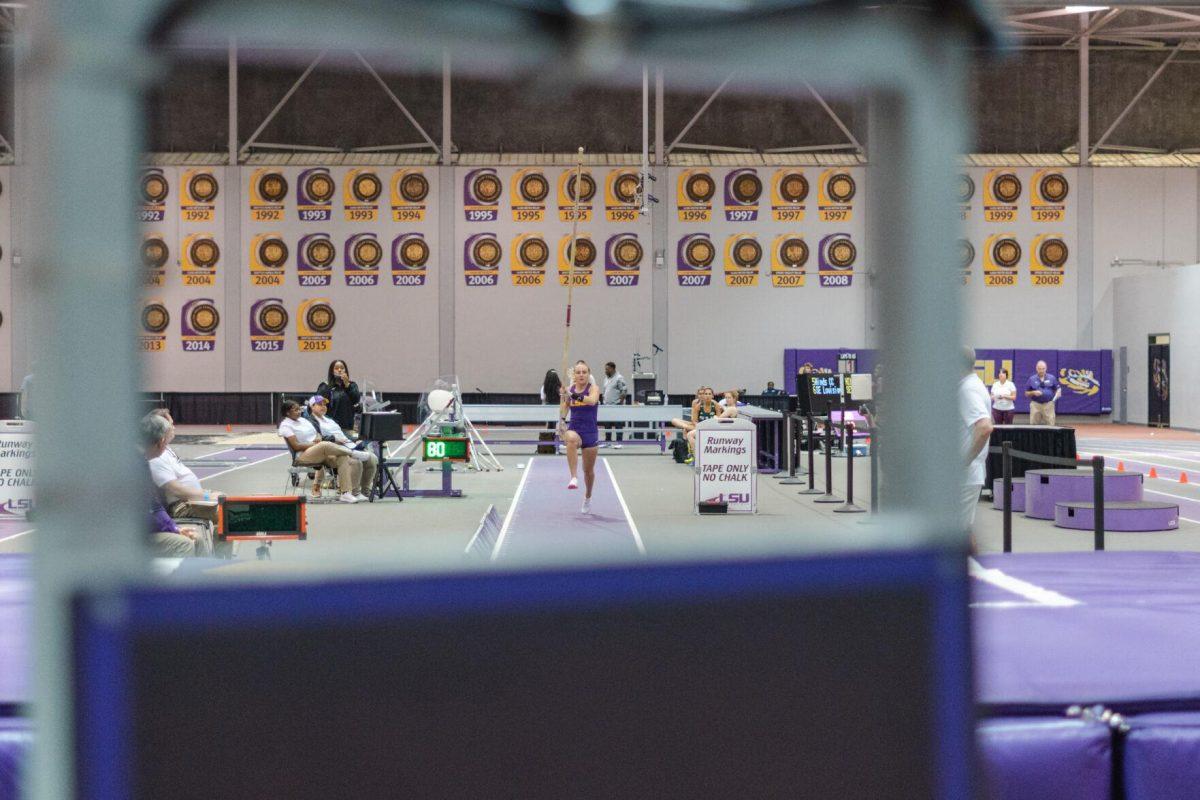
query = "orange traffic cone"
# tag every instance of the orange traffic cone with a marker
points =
(1183, 477)
(228, 428)
(1120, 466)
(1153, 473)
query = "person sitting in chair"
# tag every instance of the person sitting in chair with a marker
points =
(308, 449)
(318, 407)
(167, 538)
(180, 489)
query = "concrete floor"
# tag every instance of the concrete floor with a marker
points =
(658, 493)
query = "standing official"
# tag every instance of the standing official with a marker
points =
(614, 391)
(1043, 390)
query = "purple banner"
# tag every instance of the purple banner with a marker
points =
(1024, 365)
(1081, 376)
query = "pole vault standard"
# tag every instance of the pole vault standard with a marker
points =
(562, 410)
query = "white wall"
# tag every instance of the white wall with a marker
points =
(1163, 301)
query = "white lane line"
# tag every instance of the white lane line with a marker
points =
(637, 537)
(1006, 604)
(10, 537)
(1142, 457)
(512, 509)
(1031, 592)
(242, 466)
(217, 453)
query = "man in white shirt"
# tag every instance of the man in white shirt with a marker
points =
(974, 406)
(612, 393)
(182, 494)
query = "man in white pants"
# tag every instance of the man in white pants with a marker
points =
(974, 406)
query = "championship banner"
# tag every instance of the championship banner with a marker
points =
(1080, 373)
(268, 258)
(360, 195)
(314, 325)
(154, 190)
(694, 259)
(989, 362)
(694, 194)
(966, 257)
(789, 193)
(529, 189)
(621, 191)
(585, 257)
(314, 195)
(1047, 259)
(528, 258)
(268, 190)
(966, 193)
(410, 259)
(155, 319)
(1001, 190)
(835, 196)
(198, 323)
(198, 263)
(1001, 257)
(789, 257)
(835, 260)
(742, 192)
(566, 196)
(155, 255)
(268, 321)
(481, 195)
(363, 252)
(1048, 201)
(742, 256)
(314, 260)
(622, 259)
(410, 189)
(198, 195)
(481, 259)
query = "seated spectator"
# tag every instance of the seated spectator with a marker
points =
(180, 489)
(772, 390)
(166, 538)
(305, 443)
(729, 403)
(331, 431)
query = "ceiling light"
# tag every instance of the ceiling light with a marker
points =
(1083, 9)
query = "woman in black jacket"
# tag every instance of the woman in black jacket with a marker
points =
(342, 393)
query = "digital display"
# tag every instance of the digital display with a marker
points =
(246, 517)
(446, 448)
(826, 386)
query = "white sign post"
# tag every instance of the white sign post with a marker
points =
(16, 468)
(727, 464)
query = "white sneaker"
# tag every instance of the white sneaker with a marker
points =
(360, 455)
(362, 498)
(587, 506)
(574, 484)
(347, 498)
(617, 446)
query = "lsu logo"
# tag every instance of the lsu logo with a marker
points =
(314, 260)
(410, 255)
(1080, 381)
(197, 201)
(410, 190)
(1048, 201)
(529, 191)
(200, 257)
(694, 194)
(742, 256)
(268, 321)
(585, 256)
(198, 325)
(742, 192)
(268, 257)
(835, 195)
(481, 259)
(314, 325)
(622, 259)
(528, 258)
(789, 191)
(268, 190)
(360, 195)
(835, 260)
(694, 258)
(789, 256)
(1001, 190)
(363, 253)
(16, 507)
(621, 193)
(481, 195)
(1001, 256)
(567, 207)
(314, 195)
(1048, 259)
(154, 190)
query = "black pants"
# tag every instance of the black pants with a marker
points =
(609, 427)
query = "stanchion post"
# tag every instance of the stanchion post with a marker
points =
(828, 497)
(1006, 461)
(874, 470)
(1098, 500)
(812, 447)
(790, 478)
(848, 507)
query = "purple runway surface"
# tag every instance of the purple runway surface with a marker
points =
(545, 516)
(1057, 629)
(16, 607)
(245, 457)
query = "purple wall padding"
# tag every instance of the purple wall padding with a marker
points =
(1028, 758)
(15, 740)
(1162, 757)
(1082, 376)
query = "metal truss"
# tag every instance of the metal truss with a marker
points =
(1141, 27)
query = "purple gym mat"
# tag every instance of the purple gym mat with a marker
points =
(1162, 757)
(1063, 759)
(1045, 487)
(1018, 494)
(1116, 628)
(1119, 515)
(15, 740)
(545, 516)
(250, 456)
(16, 608)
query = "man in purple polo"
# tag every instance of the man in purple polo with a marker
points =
(1042, 390)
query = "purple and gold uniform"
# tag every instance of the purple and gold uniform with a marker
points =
(583, 416)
